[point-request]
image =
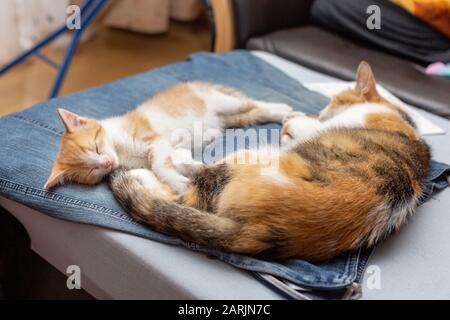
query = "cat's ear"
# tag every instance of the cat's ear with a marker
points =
(71, 120)
(365, 80)
(56, 177)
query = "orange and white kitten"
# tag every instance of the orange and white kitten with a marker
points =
(346, 179)
(144, 137)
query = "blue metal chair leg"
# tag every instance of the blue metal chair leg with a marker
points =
(21, 57)
(72, 47)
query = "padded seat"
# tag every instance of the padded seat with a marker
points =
(328, 53)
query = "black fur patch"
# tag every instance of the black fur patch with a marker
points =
(394, 183)
(403, 162)
(323, 160)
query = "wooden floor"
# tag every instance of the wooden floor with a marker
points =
(111, 54)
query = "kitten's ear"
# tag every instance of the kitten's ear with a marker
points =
(70, 120)
(365, 80)
(56, 177)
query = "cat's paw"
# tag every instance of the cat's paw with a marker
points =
(290, 129)
(179, 184)
(181, 155)
(146, 178)
(287, 140)
(276, 112)
(184, 163)
(123, 180)
(279, 107)
(298, 127)
(293, 115)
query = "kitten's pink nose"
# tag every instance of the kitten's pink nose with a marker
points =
(107, 164)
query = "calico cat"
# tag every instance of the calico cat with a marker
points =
(143, 138)
(346, 179)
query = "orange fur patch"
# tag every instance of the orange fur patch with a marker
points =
(178, 101)
(390, 122)
(299, 209)
(139, 126)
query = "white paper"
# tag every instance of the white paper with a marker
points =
(424, 126)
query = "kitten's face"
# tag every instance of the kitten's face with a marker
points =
(84, 156)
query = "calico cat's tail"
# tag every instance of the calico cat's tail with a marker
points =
(169, 217)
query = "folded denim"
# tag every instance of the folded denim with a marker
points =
(29, 141)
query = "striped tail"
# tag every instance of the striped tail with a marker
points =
(169, 217)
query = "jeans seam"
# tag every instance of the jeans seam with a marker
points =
(355, 262)
(38, 124)
(9, 185)
(347, 278)
(362, 266)
(287, 276)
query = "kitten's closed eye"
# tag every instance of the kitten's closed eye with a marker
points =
(84, 156)
(98, 160)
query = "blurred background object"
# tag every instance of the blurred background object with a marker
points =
(146, 16)
(186, 10)
(329, 36)
(23, 23)
(151, 16)
(332, 37)
(435, 12)
(123, 40)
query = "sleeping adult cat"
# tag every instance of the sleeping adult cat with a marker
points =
(346, 179)
(144, 137)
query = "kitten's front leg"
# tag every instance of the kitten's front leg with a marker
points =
(161, 163)
(274, 112)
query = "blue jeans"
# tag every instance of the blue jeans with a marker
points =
(29, 142)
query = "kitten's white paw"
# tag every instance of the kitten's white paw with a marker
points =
(279, 106)
(179, 184)
(146, 178)
(298, 127)
(293, 115)
(184, 163)
(276, 112)
(291, 126)
(277, 115)
(180, 156)
(286, 141)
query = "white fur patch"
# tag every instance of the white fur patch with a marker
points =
(302, 128)
(146, 178)
(355, 116)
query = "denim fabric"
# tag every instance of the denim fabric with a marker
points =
(29, 141)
